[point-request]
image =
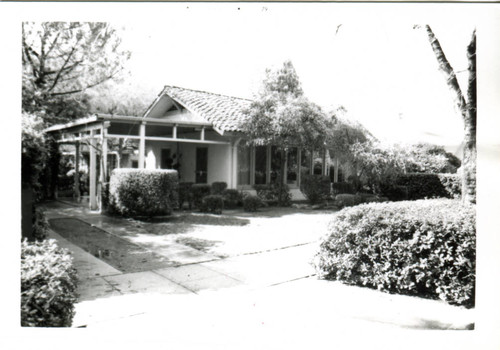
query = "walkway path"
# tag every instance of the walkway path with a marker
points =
(278, 280)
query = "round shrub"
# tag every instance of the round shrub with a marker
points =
(143, 192)
(232, 198)
(213, 203)
(198, 192)
(316, 188)
(252, 203)
(425, 248)
(48, 285)
(274, 194)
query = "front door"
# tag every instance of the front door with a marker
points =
(201, 165)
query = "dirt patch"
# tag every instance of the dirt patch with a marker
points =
(202, 245)
(117, 252)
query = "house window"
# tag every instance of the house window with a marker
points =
(244, 157)
(260, 165)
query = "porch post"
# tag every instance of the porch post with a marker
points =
(76, 191)
(92, 189)
(174, 131)
(336, 170)
(323, 160)
(142, 144)
(103, 165)
(202, 134)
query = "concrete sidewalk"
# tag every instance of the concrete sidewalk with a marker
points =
(276, 288)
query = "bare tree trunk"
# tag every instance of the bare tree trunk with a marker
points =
(467, 110)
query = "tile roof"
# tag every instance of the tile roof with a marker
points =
(224, 112)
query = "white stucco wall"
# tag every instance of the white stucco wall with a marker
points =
(219, 160)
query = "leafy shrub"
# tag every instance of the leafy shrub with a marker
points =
(452, 184)
(424, 248)
(40, 225)
(342, 187)
(315, 188)
(198, 192)
(143, 192)
(185, 194)
(252, 203)
(348, 200)
(232, 198)
(218, 187)
(48, 285)
(35, 152)
(213, 203)
(421, 185)
(274, 194)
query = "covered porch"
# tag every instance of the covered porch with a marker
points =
(192, 147)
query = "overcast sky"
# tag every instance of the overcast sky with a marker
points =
(383, 72)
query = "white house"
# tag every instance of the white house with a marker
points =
(196, 132)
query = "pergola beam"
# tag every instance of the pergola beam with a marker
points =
(170, 139)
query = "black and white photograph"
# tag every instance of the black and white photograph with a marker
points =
(251, 175)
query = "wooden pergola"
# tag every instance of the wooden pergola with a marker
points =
(96, 130)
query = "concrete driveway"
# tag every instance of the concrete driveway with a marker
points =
(265, 262)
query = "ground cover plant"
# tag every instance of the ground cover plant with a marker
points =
(48, 285)
(425, 248)
(143, 192)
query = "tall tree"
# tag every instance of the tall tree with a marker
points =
(467, 108)
(280, 115)
(61, 60)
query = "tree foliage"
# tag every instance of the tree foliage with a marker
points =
(282, 116)
(61, 60)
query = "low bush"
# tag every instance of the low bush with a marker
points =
(232, 198)
(218, 187)
(348, 200)
(425, 248)
(252, 203)
(342, 187)
(395, 192)
(143, 192)
(185, 194)
(422, 185)
(213, 203)
(274, 194)
(48, 285)
(198, 192)
(316, 188)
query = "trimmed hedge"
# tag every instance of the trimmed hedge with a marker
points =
(342, 187)
(213, 203)
(316, 188)
(48, 285)
(348, 200)
(274, 194)
(218, 187)
(143, 192)
(252, 203)
(420, 185)
(425, 248)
